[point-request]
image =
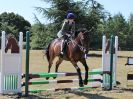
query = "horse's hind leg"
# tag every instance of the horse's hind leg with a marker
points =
(50, 65)
(83, 61)
(59, 61)
(57, 64)
(79, 73)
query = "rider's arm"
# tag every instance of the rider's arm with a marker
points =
(64, 26)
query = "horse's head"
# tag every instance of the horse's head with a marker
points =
(84, 38)
(11, 43)
(9, 38)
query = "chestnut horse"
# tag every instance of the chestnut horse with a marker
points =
(11, 43)
(76, 49)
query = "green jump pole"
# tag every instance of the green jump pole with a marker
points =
(111, 60)
(27, 65)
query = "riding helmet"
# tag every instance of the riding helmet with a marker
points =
(70, 16)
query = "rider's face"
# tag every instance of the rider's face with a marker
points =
(71, 20)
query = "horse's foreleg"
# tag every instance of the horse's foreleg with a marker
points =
(83, 61)
(57, 65)
(79, 73)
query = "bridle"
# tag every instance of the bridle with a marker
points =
(82, 47)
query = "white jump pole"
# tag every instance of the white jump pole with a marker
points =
(2, 61)
(20, 59)
(103, 52)
(115, 60)
(105, 63)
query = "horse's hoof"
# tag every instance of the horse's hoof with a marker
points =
(47, 78)
(54, 77)
(85, 82)
(81, 85)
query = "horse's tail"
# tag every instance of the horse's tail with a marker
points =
(47, 52)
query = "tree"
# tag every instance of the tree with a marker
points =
(120, 28)
(130, 23)
(88, 15)
(96, 15)
(116, 25)
(41, 36)
(13, 23)
(129, 39)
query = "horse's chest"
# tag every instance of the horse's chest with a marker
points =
(75, 52)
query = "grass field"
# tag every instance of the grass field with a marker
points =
(38, 63)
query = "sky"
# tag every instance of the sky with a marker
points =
(26, 8)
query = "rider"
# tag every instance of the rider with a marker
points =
(68, 29)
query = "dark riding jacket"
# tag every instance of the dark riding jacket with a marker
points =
(66, 28)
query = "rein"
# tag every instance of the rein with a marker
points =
(82, 48)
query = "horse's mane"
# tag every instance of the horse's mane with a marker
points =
(78, 31)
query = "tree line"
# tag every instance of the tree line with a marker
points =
(89, 13)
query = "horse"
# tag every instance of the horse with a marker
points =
(11, 43)
(76, 49)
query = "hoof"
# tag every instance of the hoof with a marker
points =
(54, 77)
(47, 78)
(81, 85)
(85, 82)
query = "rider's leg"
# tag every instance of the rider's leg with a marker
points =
(62, 47)
(63, 44)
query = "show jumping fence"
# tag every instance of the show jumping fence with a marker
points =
(11, 70)
(105, 73)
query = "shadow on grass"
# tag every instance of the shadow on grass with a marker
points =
(76, 94)
(36, 96)
(88, 95)
(100, 55)
(127, 89)
(94, 55)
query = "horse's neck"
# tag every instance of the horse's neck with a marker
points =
(77, 40)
